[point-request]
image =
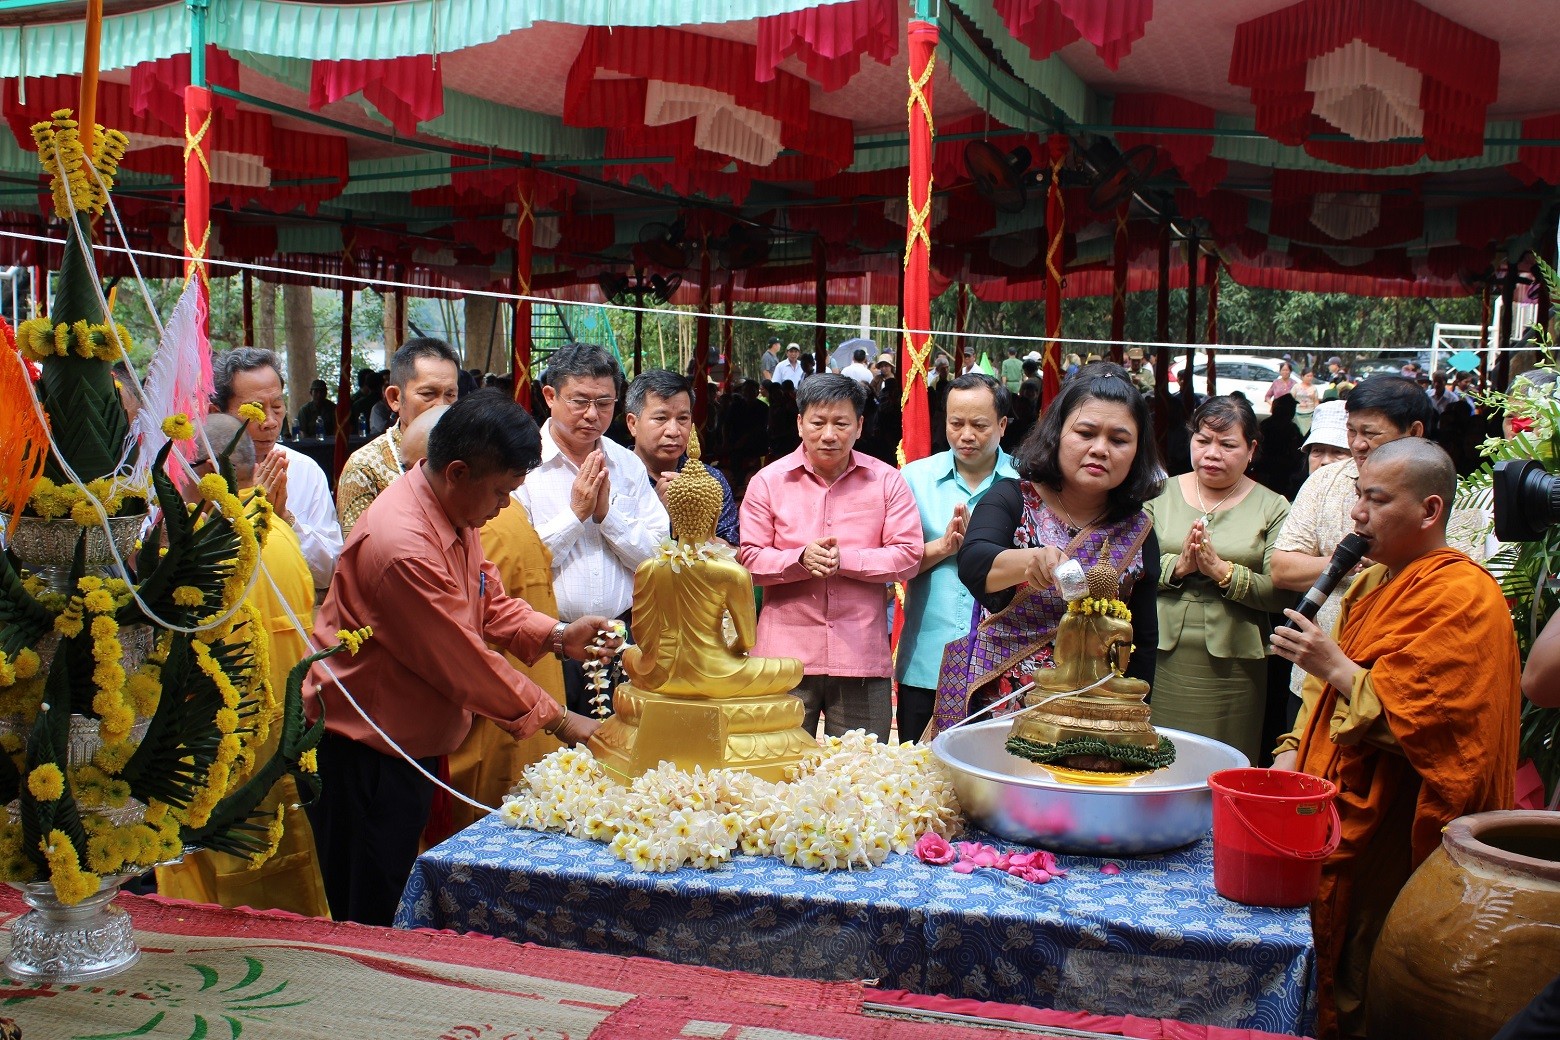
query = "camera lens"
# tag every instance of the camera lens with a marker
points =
(1527, 500)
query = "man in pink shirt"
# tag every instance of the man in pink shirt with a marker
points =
(824, 530)
(413, 570)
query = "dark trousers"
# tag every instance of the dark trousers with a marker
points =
(367, 822)
(914, 711)
(1537, 1021)
(575, 694)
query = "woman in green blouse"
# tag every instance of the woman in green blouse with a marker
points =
(1216, 527)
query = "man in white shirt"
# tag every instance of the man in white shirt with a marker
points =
(591, 500)
(857, 369)
(790, 370)
(294, 483)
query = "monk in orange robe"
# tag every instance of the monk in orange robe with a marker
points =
(1411, 710)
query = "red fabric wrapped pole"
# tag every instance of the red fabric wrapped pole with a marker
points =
(1118, 285)
(525, 246)
(916, 438)
(197, 182)
(1055, 228)
(1211, 329)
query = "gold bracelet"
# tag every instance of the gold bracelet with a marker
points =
(1229, 577)
(552, 731)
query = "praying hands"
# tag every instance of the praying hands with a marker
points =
(822, 558)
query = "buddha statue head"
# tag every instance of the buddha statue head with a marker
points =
(693, 500)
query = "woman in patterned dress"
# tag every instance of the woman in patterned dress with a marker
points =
(1085, 470)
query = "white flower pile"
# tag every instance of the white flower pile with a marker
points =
(850, 806)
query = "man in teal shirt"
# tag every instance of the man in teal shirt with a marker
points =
(947, 487)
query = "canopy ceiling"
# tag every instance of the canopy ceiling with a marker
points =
(1369, 146)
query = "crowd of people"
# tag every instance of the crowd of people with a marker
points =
(483, 615)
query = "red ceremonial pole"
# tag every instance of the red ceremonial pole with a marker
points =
(197, 182)
(916, 436)
(1056, 228)
(1118, 285)
(525, 247)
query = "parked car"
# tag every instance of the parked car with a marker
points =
(1251, 374)
(1390, 365)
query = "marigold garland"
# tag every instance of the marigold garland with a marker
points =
(1106, 607)
(178, 427)
(252, 411)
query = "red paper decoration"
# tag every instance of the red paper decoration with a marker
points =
(1046, 26)
(406, 91)
(1377, 70)
(830, 40)
(1191, 154)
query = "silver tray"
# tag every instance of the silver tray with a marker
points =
(1021, 801)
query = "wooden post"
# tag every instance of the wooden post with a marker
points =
(1508, 300)
(1211, 330)
(1192, 259)
(820, 306)
(344, 387)
(248, 292)
(1118, 285)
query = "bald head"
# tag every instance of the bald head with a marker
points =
(414, 440)
(1420, 467)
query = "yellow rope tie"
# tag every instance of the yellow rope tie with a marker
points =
(919, 218)
(918, 365)
(193, 142)
(196, 255)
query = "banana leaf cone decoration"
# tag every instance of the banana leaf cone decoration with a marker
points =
(134, 703)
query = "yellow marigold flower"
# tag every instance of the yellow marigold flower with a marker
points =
(353, 639)
(188, 596)
(213, 487)
(85, 513)
(104, 628)
(68, 624)
(26, 664)
(309, 761)
(71, 883)
(46, 783)
(155, 812)
(252, 411)
(227, 720)
(178, 427)
(89, 583)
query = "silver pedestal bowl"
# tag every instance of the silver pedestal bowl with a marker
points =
(1021, 801)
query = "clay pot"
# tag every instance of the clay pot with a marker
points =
(1475, 933)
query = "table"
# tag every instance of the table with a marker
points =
(1154, 940)
(205, 971)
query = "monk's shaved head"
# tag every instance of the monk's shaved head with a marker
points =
(414, 440)
(1420, 467)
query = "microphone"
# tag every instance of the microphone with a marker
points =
(1348, 553)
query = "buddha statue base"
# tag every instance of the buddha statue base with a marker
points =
(1097, 734)
(760, 735)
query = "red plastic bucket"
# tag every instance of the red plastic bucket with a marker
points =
(1271, 831)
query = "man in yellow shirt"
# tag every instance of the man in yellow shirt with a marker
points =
(289, 880)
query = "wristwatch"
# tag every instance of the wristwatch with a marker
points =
(555, 639)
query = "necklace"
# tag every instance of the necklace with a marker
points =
(1207, 513)
(1073, 524)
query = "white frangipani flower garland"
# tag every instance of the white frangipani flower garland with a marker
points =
(598, 671)
(852, 805)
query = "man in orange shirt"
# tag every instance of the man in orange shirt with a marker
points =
(1411, 710)
(416, 575)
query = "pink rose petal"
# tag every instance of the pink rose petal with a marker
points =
(984, 858)
(964, 866)
(1110, 868)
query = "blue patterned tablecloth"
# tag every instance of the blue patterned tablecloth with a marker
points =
(1155, 940)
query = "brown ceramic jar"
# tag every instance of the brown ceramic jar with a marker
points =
(1475, 933)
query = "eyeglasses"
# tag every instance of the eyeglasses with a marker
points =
(585, 404)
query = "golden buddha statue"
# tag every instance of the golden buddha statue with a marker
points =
(1086, 714)
(694, 696)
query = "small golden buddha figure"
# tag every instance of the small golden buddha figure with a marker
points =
(694, 696)
(1103, 727)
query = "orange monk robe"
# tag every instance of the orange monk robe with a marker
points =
(289, 880)
(1427, 734)
(489, 761)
